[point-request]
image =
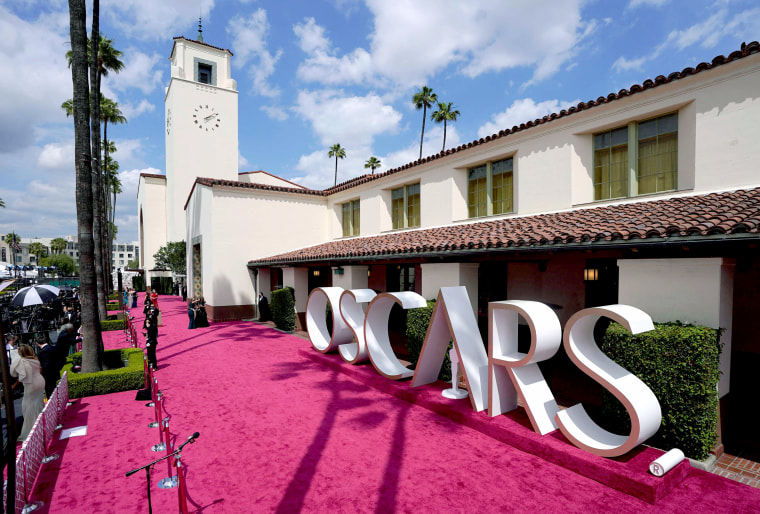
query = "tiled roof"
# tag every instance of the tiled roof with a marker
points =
(199, 43)
(152, 175)
(687, 217)
(745, 50)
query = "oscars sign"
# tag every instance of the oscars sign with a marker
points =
(495, 379)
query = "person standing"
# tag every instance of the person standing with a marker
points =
(26, 367)
(50, 365)
(154, 299)
(191, 312)
(151, 340)
(134, 298)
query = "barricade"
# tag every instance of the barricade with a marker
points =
(34, 450)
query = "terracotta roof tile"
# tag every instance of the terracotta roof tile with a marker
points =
(691, 217)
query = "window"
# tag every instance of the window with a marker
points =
(490, 188)
(405, 206)
(204, 73)
(637, 159)
(351, 218)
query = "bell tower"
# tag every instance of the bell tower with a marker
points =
(201, 108)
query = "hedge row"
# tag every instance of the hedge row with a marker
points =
(417, 321)
(113, 379)
(108, 325)
(283, 306)
(680, 364)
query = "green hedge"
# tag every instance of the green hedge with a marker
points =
(113, 296)
(162, 285)
(680, 364)
(108, 325)
(113, 379)
(138, 283)
(283, 308)
(417, 321)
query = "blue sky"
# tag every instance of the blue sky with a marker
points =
(314, 73)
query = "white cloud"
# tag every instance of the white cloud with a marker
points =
(707, 34)
(633, 4)
(35, 53)
(242, 162)
(322, 65)
(57, 156)
(522, 111)
(410, 44)
(249, 42)
(352, 121)
(130, 111)
(154, 20)
(141, 71)
(275, 113)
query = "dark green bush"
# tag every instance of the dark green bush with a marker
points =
(138, 283)
(113, 296)
(116, 324)
(113, 379)
(680, 364)
(283, 308)
(162, 285)
(417, 321)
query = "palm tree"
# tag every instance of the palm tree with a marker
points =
(102, 57)
(338, 152)
(38, 250)
(92, 338)
(110, 112)
(444, 114)
(373, 162)
(12, 240)
(58, 244)
(423, 99)
(2, 203)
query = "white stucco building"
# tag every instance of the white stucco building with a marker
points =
(649, 196)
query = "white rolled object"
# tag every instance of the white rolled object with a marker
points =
(666, 462)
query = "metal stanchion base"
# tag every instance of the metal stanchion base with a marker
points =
(455, 394)
(168, 483)
(153, 425)
(58, 426)
(49, 458)
(29, 507)
(160, 447)
(150, 404)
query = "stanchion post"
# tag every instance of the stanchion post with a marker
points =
(182, 490)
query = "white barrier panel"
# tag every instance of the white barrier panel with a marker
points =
(353, 315)
(641, 404)
(453, 318)
(376, 332)
(512, 372)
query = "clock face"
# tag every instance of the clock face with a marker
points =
(206, 118)
(168, 121)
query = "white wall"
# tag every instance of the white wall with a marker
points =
(151, 205)
(688, 290)
(438, 275)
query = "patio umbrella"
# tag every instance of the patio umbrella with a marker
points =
(35, 295)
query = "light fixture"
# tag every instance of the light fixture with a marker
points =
(590, 274)
(315, 272)
(338, 270)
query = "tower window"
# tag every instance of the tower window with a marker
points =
(204, 73)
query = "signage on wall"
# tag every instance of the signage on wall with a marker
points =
(498, 377)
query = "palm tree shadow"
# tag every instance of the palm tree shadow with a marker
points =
(295, 494)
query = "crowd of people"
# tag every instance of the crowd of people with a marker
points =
(36, 357)
(196, 312)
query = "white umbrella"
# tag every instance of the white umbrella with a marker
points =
(35, 295)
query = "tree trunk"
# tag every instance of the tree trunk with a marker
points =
(424, 115)
(97, 225)
(443, 149)
(92, 339)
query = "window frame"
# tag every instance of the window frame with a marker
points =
(353, 208)
(406, 219)
(474, 209)
(633, 158)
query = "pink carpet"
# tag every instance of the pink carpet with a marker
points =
(283, 432)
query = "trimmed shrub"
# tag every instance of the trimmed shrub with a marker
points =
(283, 306)
(113, 296)
(113, 379)
(417, 321)
(680, 364)
(138, 283)
(108, 325)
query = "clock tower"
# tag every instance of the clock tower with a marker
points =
(201, 107)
